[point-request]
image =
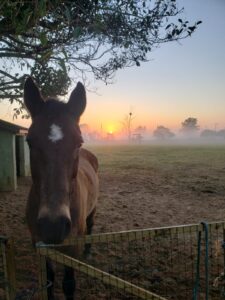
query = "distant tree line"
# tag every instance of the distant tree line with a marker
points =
(208, 133)
(189, 129)
(163, 133)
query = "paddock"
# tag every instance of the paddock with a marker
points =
(141, 187)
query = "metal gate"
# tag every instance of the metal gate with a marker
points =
(159, 263)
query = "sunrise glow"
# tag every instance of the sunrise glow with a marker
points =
(164, 91)
(111, 128)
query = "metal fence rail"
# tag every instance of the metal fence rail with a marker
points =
(158, 262)
(91, 271)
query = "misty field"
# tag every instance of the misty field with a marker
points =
(148, 186)
(141, 186)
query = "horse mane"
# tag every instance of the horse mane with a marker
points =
(90, 157)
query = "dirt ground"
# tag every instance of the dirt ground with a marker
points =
(160, 186)
(140, 187)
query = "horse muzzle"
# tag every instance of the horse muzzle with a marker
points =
(53, 231)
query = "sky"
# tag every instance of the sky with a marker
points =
(181, 80)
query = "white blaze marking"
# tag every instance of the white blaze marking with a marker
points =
(56, 133)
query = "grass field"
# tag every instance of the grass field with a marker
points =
(160, 157)
(177, 184)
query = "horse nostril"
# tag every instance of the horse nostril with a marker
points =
(66, 225)
(53, 231)
(42, 225)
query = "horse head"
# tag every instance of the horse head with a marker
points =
(54, 139)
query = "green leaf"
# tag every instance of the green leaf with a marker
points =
(126, 45)
(42, 7)
(43, 38)
(46, 55)
(77, 32)
(67, 14)
(65, 54)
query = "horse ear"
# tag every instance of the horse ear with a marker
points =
(32, 97)
(77, 101)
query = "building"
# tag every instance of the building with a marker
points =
(14, 155)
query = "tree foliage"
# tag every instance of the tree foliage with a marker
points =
(190, 126)
(140, 129)
(208, 133)
(163, 133)
(51, 39)
(221, 133)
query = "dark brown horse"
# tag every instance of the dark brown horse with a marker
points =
(64, 191)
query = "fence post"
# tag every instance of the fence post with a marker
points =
(42, 276)
(9, 268)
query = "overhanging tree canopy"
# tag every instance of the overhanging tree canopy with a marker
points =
(48, 39)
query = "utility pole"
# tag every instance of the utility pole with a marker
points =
(129, 125)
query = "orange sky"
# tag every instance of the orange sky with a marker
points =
(180, 81)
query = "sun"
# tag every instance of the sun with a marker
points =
(111, 128)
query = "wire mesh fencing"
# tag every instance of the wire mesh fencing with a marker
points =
(93, 283)
(158, 263)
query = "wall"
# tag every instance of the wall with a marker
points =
(8, 180)
(22, 156)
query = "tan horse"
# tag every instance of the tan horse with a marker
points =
(65, 186)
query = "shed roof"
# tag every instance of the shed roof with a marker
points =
(7, 126)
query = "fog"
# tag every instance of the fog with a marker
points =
(154, 141)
